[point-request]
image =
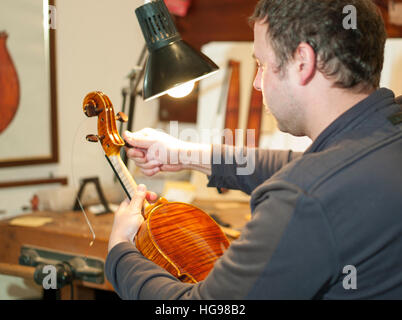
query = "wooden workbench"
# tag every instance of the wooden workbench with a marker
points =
(68, 232)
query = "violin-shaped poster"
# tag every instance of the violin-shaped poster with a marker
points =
(9, 85)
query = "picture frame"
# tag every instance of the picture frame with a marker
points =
(31, 137)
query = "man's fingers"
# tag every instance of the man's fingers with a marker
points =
(170, 167)
(139, 160)
(135, 152)
(150, 172)
(151, 196)
(149, 164)
(138, 139)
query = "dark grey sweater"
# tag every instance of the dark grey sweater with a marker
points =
(325, 224)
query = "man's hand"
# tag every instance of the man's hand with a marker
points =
(128, 218)
(154, 151)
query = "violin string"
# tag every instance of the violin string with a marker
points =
(74, 184)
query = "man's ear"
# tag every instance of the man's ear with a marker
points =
(305, 59)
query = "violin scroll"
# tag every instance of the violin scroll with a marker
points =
(97, 104)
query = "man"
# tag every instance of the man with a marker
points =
(326, 224)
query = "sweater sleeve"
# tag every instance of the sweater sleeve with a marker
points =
(251, 267)
(244, 169)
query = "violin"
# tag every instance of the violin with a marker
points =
(179, 237)
(9, 85)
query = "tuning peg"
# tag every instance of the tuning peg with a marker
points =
(92, 138)
(92, 111)
(122, 117)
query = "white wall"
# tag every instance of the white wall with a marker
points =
(391, 76)
(98, 42)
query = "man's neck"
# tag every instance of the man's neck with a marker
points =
(330, 106)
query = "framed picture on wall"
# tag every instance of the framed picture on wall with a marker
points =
(28, 110)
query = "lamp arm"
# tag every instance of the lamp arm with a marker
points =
(135, 79)
(134, 84)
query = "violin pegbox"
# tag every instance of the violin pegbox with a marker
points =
(97, 104)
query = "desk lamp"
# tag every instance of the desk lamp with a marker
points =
(172, 65)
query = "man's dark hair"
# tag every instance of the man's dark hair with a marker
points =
(352, 57)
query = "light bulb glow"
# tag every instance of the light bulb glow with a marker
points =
(182, 90)
(193, 81)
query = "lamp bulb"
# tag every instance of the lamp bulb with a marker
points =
(182, 90)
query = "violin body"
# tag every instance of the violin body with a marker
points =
(179, 237)
(182, 239)
(9, 85)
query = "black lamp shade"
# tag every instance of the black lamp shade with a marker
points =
(171, 61)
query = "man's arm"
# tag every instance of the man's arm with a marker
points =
(286, 242)
(246, 168)
(229, 167)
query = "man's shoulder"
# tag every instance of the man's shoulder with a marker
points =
(313, 170)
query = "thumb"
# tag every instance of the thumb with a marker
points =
(123, 205)
(138, 199)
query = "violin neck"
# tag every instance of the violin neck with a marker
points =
(124, 176)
